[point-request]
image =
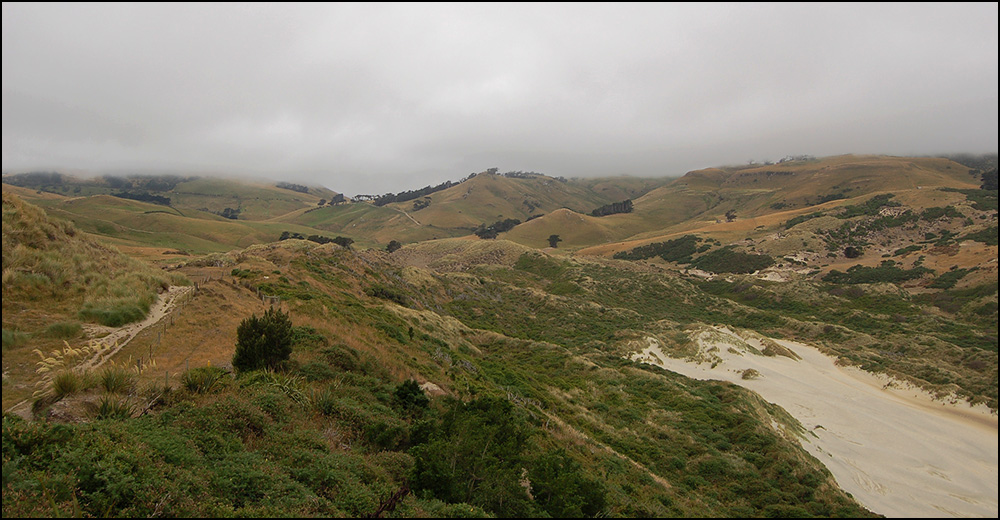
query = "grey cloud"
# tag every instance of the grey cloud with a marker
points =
(380, 97)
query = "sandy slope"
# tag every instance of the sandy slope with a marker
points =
(897, 450)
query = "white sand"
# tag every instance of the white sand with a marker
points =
(896, 449)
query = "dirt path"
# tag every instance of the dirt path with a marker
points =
(408, 216)
(118, 337)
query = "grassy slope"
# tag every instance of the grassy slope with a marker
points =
(657, 444)
(258, 201)
(54, 278)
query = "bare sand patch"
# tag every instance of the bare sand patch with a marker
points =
(894, 447)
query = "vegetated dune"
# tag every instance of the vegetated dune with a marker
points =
(458, 254)
(574, 230)
(898, 450)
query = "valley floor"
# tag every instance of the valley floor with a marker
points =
(899, 451)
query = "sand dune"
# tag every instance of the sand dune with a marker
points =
(896, 449)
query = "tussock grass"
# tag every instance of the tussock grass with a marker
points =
(114, 408)
(49, 260)
(116, 379)
(203, 380)
(13, 338)
(63, 330)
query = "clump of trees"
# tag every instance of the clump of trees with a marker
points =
(477, 454)
(319, 239)
(294, 187)
(989, 180)
(403, 196)
(676, 250)
(888, 271)
(230, 213)
(726, 260)
(500, 226)
(143, 196)
(264, 342)
(624, 206)
(393, 246)
(554, 240)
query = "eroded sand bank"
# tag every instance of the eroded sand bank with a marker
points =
(896, 449)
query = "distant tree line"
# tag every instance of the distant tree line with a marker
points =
(34, 179)
(500, 226)
(624, 206)
(319, 239)
(294, 187)
(408, 195)
(143, 196)
(130, 183)
(404, 196)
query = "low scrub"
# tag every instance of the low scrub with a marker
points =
(726, 260)
(203, 380)
(887, 272)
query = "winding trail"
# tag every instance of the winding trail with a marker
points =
(408, 216)
(118, 337)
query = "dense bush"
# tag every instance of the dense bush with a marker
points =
(886, 272)
(475, 454)
(263, 342)
(676, 250)
(500, 226)
(726, 260)
(624, 206)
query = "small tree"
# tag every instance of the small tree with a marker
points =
(730, 215)
(553, 240)
(393, 246)
(263, 342)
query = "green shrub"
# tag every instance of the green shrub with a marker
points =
(410, 397)
(264, 342)
(949, 279)
(113, 315)
(113, 408)
(203, 380)
(885, 272)
(63, 330)
(676, 250)
(386, 293)
(726, 260)
(13, 338)
(66, 383)
(317, 371)
(115, 379)
(561, 488)
(987, 236)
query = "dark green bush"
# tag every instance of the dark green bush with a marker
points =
(264, 342)
(726, 260)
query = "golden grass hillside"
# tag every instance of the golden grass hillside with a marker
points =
(55, 279)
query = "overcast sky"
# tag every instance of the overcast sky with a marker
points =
(370, 98)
